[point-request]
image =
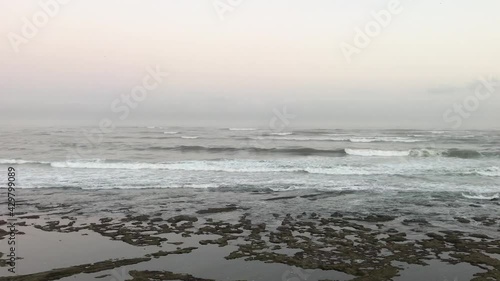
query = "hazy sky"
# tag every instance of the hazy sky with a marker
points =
(263, 55)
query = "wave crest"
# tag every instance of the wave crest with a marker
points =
(242, 129)
(384, 139)
(372, 152)
(489, 172)
(21, 162)
(423, 152)
(480, 196)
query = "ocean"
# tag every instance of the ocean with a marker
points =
(405, 169)
(248, 159)
(333, 185)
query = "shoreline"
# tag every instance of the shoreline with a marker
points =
(193, 235)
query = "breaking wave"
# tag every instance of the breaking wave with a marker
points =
(21, 162)
(302, 151)
(252, 166)
(302, 138)
(489, 172)
(229, 166)
(371, 152)
(312, 166)
(480, 196)
(454, 153)
(242, 129)
(384, 139)
(340, 138)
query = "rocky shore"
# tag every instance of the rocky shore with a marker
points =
(192, 237)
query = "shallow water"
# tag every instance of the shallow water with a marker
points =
(43, 251)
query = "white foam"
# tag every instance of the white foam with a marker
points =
(302, 138)
(341, 137)
(242, 129)
(489, 172)
(229, 166)
(104, 165)
(202, 186)
(20, 162)
(384, 139)
(480, 196)
(189, 137)
(226, 166)
(372, 152)
(170, 133)
(282, 134)
(341, 170)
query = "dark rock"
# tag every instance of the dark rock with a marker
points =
(378, 218)
(180, 218)
(462, 220)
(106, 220)
(280, 198)
(217, 210)
(478, 235)
(415, 221)
(30, 217)
(336, 215)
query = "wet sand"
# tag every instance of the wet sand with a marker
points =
(186, 234)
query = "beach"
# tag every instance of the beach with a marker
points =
(185, 234)
(154, 203)
(231, 140)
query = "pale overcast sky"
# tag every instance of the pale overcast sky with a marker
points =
(426, 58)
